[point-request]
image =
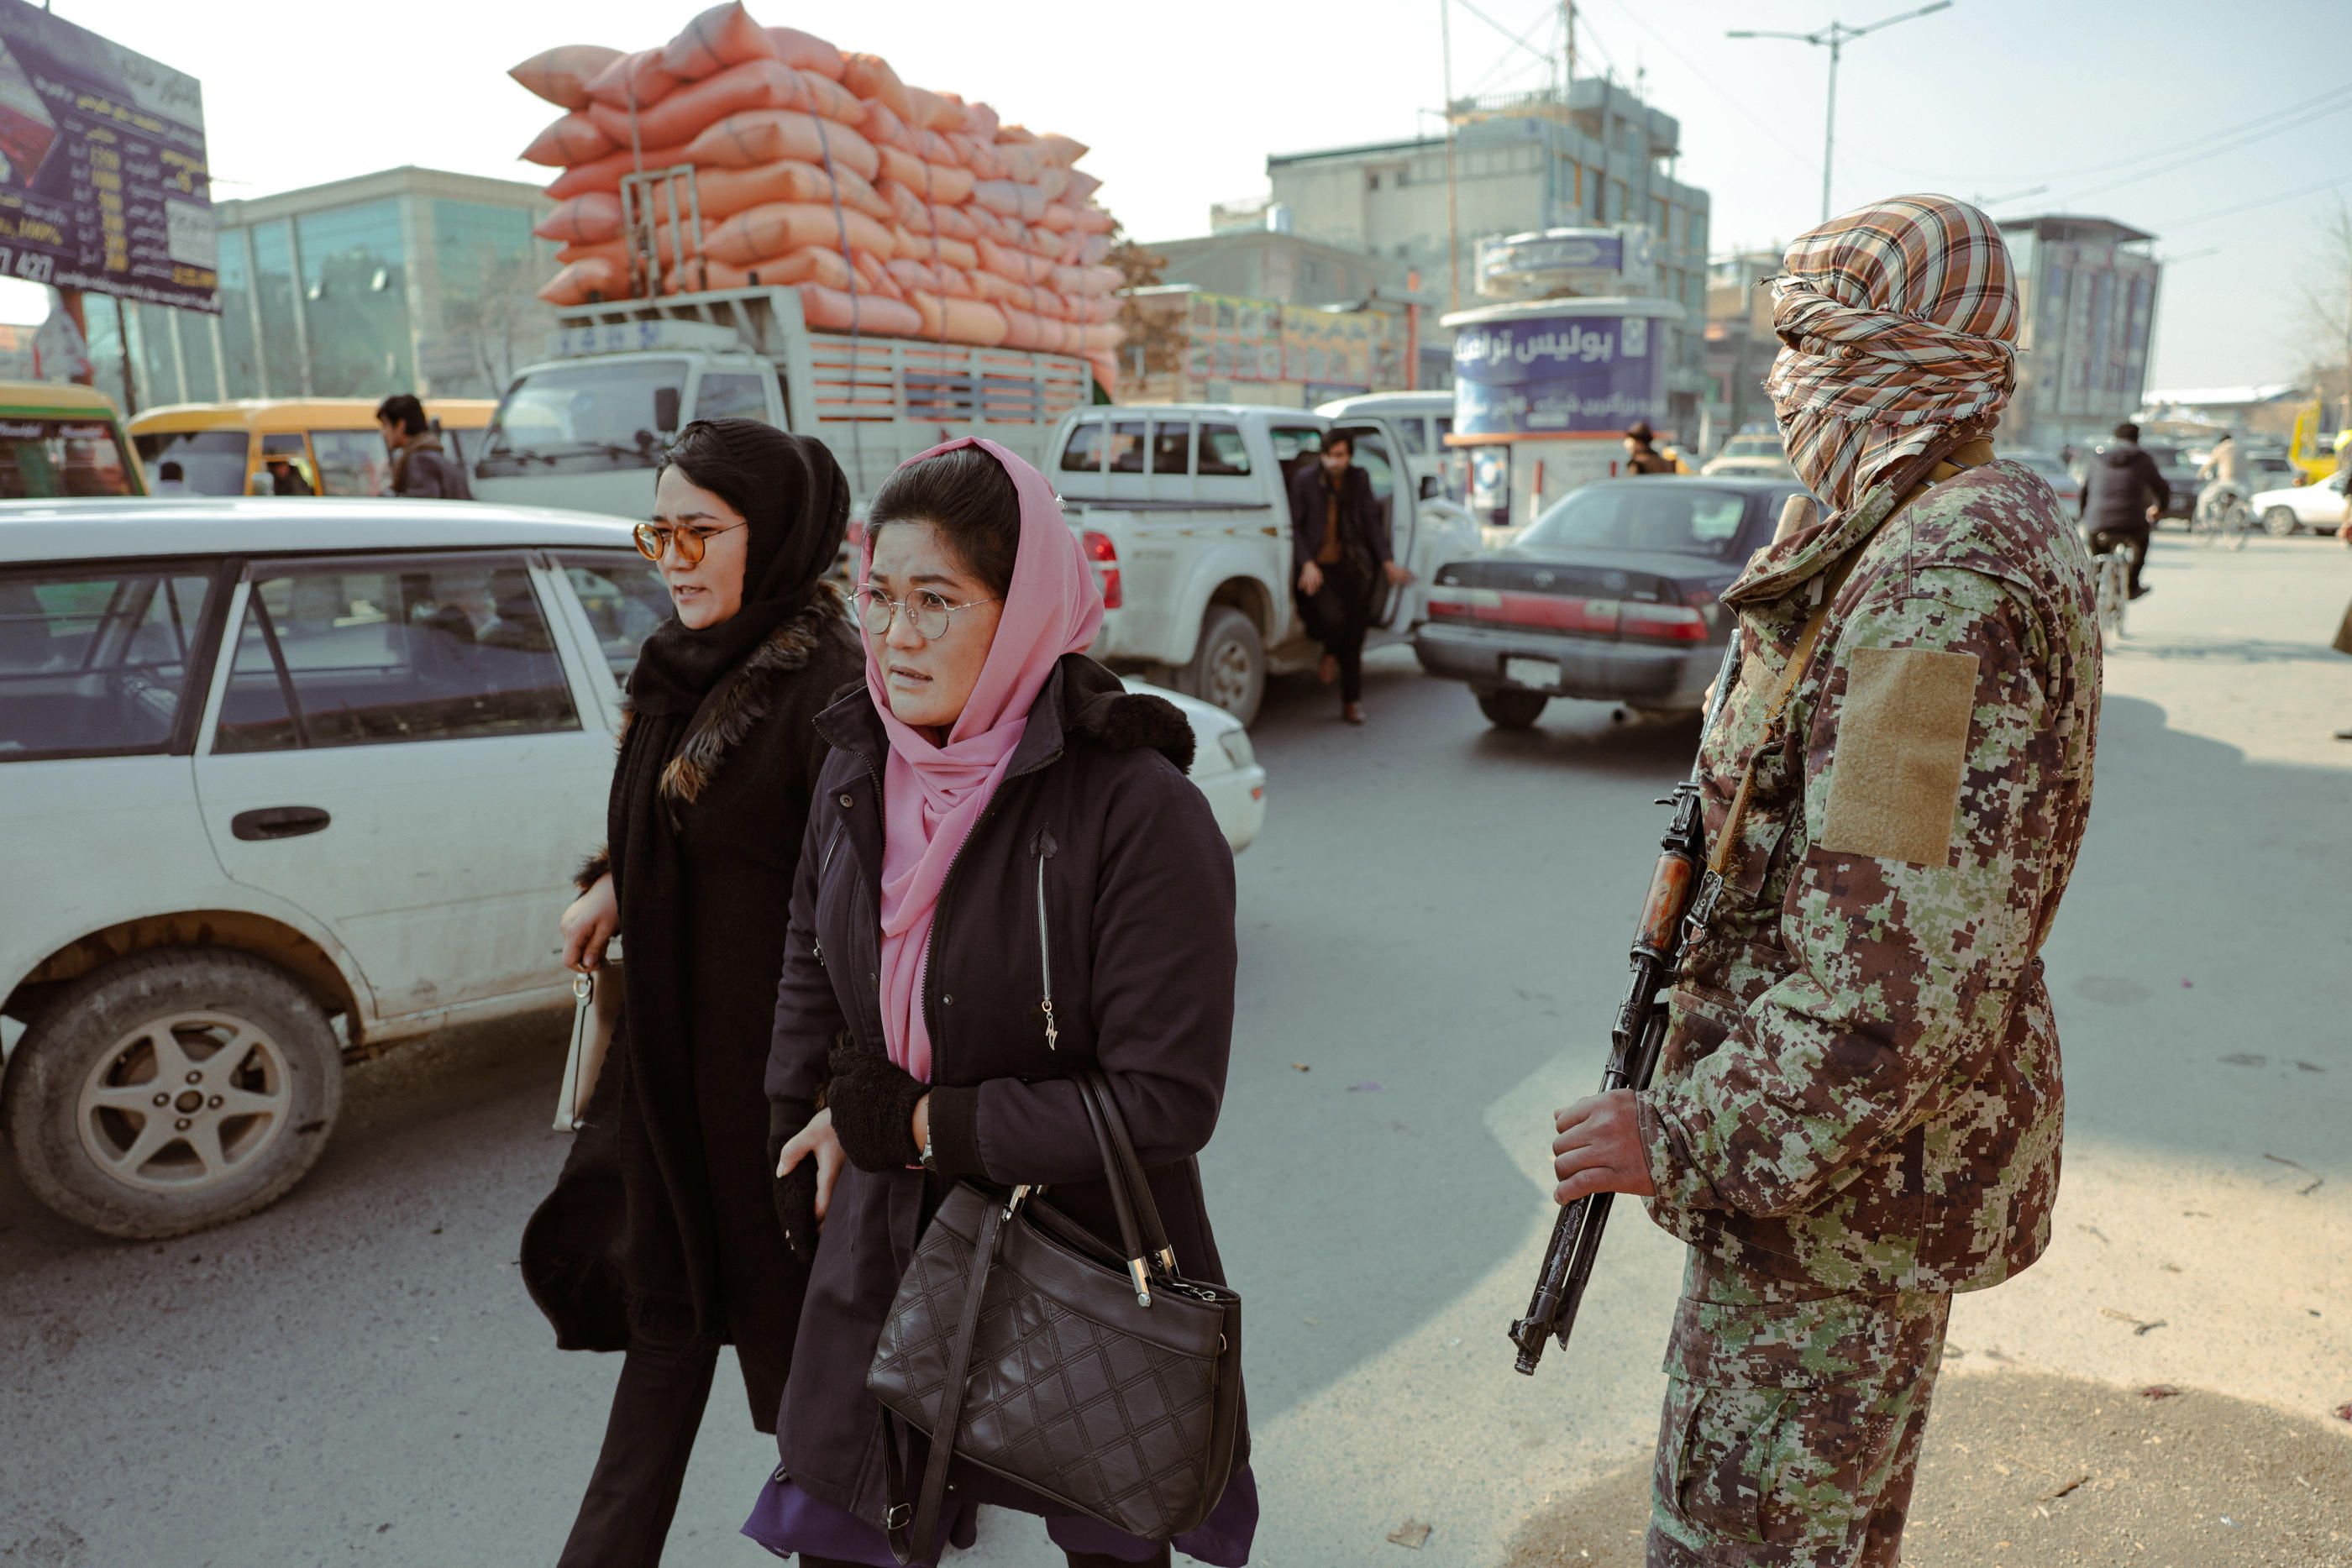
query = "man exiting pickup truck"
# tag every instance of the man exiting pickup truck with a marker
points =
(1339, 552)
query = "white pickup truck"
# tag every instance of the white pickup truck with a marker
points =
(1185, 509)
(585, 429)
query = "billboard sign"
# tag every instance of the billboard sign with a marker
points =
(1567, 373)
(103, 183)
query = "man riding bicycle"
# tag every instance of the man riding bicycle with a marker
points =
(2226, 468)
(2123, 494)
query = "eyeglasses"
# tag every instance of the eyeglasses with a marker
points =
(654, 541)
(927, 612)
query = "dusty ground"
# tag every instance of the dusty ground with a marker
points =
(2029, 1470)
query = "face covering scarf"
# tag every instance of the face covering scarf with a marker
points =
(1898, 322)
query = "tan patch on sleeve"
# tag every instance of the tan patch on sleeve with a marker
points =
(1902, 748)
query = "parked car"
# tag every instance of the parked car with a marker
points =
(1184, 510)
(1758, 454)
(1224, 764)
(2319, 507)
(2179, 475)
(2054, 470)
(296, 780)
(1613, 594)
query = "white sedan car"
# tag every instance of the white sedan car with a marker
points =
(2319, 507)
(284, 782)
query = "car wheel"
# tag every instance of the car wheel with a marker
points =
(1512, 710)
(1228, 667)
(172, 1090)
(2279, 522)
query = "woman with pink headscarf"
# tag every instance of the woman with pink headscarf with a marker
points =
(1007, 879)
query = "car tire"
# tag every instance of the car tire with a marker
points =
(1228, 665)
(229, 1138)
(2279, 522)
(1512, 710)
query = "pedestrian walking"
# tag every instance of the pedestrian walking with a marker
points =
(419, 465)
(2124, 493)
(1007, 881)
(1340, 553)
(1858, 1107)
(1641, 453)
(659, 1240)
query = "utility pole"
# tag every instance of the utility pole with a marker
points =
(1834, 37)
(1452, 224)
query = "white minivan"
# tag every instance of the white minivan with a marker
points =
(283, 783)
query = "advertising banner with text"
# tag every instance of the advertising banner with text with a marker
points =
(103, 183)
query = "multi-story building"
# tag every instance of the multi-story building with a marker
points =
(1521, 162)
(1740, 345)
(407, 280)
(2088, 288)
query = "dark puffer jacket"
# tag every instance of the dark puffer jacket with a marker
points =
(2122, 482)
(1097, 844)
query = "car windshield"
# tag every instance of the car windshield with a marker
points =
(211, 461)
(40, 458)
(1752, 446)
(611, 409)
(1641, 514)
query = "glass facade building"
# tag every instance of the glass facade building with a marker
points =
(409, 280)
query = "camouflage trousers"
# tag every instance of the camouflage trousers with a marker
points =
(1793, 1422)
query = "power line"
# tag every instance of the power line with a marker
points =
(1718, 88)
(2264, 201)
(2242, 141)
(2011, 175)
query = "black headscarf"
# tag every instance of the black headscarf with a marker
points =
(795, 499)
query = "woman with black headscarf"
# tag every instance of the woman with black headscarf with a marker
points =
(660, 1239)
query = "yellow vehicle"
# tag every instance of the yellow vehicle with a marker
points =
(2313, 451)
(287, 446)
(59, 439)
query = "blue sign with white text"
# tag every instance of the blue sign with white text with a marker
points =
(1568, 374)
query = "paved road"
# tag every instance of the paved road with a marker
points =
(1431, 927)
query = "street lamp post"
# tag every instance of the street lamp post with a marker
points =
(1834, 37)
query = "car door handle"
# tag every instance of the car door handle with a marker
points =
(278, 822)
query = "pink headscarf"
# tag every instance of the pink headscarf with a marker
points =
(933, 795)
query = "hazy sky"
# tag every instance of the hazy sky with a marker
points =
(1183, 103)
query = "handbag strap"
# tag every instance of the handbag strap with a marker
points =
(1122, 1148)
(912, 1546)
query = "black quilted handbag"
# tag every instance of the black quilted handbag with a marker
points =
(1021, 1343)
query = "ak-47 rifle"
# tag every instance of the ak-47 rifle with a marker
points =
(1681, 902)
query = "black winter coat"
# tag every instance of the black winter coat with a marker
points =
(1096, 843)
(1362, 534)
(603, 1252)
(2122, 482)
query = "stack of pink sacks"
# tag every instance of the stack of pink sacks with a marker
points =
(890, 209)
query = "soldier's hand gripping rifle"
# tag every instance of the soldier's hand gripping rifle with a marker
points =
(1634, 1042)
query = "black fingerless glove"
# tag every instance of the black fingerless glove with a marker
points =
(873, 1103)
(794, 1196)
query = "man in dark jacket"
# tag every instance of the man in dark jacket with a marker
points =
(2124, 493)
(419, 466)
(1338, 551)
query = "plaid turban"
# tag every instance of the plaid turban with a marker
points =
(1899, 326)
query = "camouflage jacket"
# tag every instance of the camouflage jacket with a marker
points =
(1860, 1083)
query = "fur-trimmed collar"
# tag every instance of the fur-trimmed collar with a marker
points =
(741, 698)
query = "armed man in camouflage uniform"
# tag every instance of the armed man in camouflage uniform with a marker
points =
(1858, 1108)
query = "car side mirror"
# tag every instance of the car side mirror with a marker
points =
(665, 401)
(1429, 487)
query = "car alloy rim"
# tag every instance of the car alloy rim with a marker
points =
(1229, 673)
(184, 1101)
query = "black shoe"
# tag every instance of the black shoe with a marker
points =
(2141, 592)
